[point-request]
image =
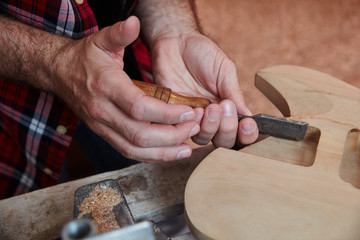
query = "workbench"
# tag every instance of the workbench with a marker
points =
(153, 192)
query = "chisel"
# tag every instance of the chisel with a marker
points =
(267, 124)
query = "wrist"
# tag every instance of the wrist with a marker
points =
(63, 67)
(59, 61)
(28, 54)
(173, 27)
(165, 19)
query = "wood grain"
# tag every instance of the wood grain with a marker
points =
(265, 191)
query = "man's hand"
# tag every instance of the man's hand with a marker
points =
(88, 75)
(103, 96)
(195, 66)
(189, 63)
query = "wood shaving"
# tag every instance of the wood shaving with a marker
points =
(99, 204)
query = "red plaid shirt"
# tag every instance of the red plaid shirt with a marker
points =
(36, 127)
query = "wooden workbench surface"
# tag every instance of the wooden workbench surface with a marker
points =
(153, 192)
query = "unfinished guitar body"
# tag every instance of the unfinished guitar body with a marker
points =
(283, 189)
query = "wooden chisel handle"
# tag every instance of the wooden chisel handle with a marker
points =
(166, 95)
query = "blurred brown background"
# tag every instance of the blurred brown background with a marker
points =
(320, 34)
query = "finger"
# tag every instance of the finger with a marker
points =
(234, 93)
(199, 113)
(150, 155)
(119, 35)
(226, 135)
(161, 154)
(144, 134)
(147, 135)
(229, 87)
(209, 124)
(247, 131)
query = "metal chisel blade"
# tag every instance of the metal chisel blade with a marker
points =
(279, 127)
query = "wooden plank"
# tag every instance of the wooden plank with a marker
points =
(282, 189)
(154, 192)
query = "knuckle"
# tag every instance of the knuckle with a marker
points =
(95, 110)
(128, 152)
(136, 110)
(111, 32)
(141, 139)
(98, 84)
(101, 87)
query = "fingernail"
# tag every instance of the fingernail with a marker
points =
(213, 114)
(188, 116)
(248, 127)
(194, 131)
(184, 154)
(228, 109)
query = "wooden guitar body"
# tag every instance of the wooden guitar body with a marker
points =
(283, 189)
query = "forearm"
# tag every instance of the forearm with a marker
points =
(27, 53)
(163, 18)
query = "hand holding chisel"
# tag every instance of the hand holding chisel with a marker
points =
(274, 126)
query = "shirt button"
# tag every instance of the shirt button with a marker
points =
(61, 129)
(79, 1)
(48, 171)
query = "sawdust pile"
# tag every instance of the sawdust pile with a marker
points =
(99, 204)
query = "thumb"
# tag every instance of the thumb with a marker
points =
(116, 37)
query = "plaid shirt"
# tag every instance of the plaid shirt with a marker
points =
(36, 127)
